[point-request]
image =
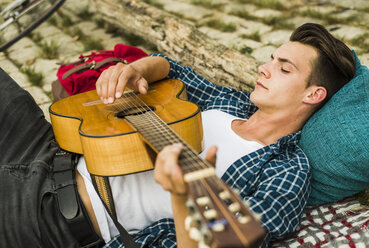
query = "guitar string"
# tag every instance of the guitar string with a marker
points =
(194, 158)
(201, 189)
(121, 106)
(188, 149)
(126, 103)
(166, 131)
(156, 122)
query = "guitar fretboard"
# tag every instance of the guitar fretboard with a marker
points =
(159, 135)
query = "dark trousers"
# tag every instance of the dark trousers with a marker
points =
(29, 214)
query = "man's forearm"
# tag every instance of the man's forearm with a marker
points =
(152, 68)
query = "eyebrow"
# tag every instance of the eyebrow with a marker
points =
(284, 60)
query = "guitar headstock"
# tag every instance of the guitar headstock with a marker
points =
(218, 218)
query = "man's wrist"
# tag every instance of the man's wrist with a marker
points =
(179, 198)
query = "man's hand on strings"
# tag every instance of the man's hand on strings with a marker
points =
(112, 82)
(136, 76)
(167, 171)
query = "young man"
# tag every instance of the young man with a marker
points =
(256, 135)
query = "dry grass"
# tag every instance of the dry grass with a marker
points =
(49, 50)
(209, 4)
(253, 36)
(220, 25)
(34, 77)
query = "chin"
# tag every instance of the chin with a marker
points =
(253, 97)
(258, 99)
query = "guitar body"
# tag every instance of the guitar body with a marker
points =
(111, 146)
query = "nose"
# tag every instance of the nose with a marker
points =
(263, 70)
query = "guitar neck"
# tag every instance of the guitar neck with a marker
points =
(158, 134)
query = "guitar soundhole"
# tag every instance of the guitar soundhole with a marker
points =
(134, 111)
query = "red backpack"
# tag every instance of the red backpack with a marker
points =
(81, 76)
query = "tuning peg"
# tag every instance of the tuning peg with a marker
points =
(234, 207)
(197, 220)
(188, 222)
(203, 245)
(210, 214)
(195, 234)
(206, 235)
(190, 206)
(224, 195)
(202, 201)
(244, 219)
(218, 227)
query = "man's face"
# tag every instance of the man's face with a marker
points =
(282, 81)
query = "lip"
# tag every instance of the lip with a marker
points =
(261, 85)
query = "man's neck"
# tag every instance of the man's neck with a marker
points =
(267, 128)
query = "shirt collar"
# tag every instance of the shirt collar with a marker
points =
(288, 141)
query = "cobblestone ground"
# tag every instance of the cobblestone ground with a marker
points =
(253, 27)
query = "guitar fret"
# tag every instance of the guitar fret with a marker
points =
(188, 159)
(159, 135)
(151, 134)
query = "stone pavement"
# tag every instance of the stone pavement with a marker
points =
(253, 27)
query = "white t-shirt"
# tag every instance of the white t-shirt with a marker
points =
(218, 131)
(140, 201)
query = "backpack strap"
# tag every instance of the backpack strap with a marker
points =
(77, 62)
(92, 65)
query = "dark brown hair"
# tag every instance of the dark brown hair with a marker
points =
(335, 65)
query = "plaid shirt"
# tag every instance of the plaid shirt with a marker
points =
(274, 179)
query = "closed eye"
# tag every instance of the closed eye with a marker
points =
(282, 61)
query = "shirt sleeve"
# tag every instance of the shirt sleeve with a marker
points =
(281, 201)
(278, 193)
(208, 95)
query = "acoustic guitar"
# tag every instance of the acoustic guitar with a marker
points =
(122, 138)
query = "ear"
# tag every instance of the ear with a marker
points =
(315, 94)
